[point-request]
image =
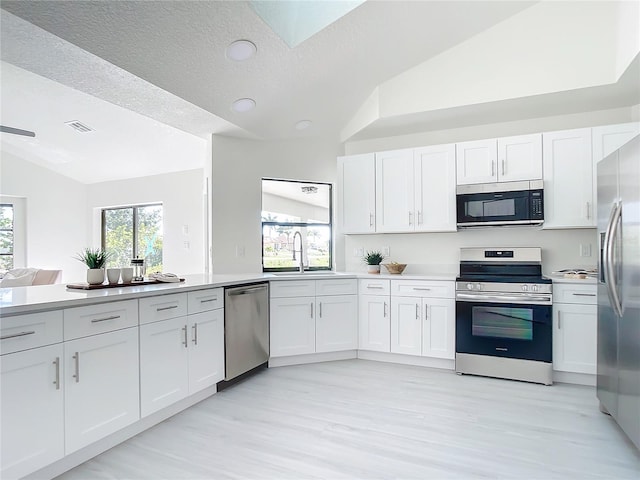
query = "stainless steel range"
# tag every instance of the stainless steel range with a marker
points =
(504, 315)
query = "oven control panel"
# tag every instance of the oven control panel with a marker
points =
(503, 287)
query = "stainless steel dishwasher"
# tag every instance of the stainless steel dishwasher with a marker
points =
(246, 328)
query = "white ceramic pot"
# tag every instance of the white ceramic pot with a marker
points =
(95, 276)
(113, 275)
(373, 268)
(127, 274)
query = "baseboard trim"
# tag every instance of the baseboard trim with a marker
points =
(312, 358)
(431, 362)
(586, 379)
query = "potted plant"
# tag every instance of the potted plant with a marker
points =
(373, 261)
(95, 259)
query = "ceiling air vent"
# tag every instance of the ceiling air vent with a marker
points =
(79, 126)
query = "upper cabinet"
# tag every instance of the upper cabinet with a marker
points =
(394, 191)
(569, 191)
(507, 159)
(356, 193)
(607, 139)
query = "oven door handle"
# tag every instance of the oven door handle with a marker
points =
(470, 297)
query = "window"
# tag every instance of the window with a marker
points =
(290, 207)
(130, 232)
(7, 237)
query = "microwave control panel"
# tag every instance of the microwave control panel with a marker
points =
(537, 205)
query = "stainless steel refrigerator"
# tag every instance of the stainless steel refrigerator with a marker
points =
(618, 383)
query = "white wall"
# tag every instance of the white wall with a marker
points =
(181, 195)
(56, 212)
(237, 169)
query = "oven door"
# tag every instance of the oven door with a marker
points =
(512, 330)
(497, 208)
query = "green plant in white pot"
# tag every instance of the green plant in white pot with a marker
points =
(373, 261)
(95, 259)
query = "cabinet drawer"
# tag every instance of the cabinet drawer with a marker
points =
(205, 300)
(347, 286)
(293, 288)
(162, 307)
(422, 288)
(105, 317)
(374, 287)
(575, 293)
(22, 332)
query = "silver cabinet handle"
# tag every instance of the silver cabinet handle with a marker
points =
(311, 309)
(493, 168)
(422, 289)
(209, 300)
(384, 314)
(371, 219)
(419, 217)
(185, 341)
(584, 294)
(426, 312)
(76, 357)
(376, 287)
(409, 218)
(417, 312)
(97, 320)
(56, 382)
(588, 210)
(503, 164)
(14, 335)
(195, 333)
(320, 309)
(559, 321)
(160, 309)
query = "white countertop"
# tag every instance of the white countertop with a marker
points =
(556, 278)
(39, 298)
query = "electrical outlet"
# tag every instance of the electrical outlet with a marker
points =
(386, 251)
(239, 250)
(358, 252)
(585, 249)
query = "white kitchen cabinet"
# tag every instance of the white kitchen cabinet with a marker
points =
(569, 191)
(434, 174)
(575, 325)
(164, 364)
(293, 326)
(608, 138)
(336, 323)
(32, 409)
(374, 315)
(101, 386)
(423, 318)
(395, 191)
(406, 325)
(182, 355)
(506, 159)
(356, 210)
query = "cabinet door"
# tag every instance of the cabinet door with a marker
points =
(608, 138)
(32, 410)
(206, 349)
(435, 188)
(293, 326)
(438, 329)
(163, 364)
(575, 338)
(374, 323)
(476, 162)
(520, 158)
(394, 191)
(337, 323)
(406, 325)
(356, 193)
(569, 198)
(101, 386)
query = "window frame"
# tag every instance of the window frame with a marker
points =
(300, 225)
(18, 204)
(134, 236)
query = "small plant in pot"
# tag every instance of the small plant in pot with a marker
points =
(95, 259)
(373, 261)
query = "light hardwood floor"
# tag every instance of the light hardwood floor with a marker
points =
(371, 420)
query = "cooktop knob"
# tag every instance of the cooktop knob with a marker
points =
(469, 286)
(534, 288)
(525, 288)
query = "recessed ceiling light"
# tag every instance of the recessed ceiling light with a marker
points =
(241, 50)
(303, 124)
(243, 105)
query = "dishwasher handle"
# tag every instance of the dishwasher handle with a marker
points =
(245, 290)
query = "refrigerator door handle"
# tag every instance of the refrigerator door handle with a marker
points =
(610, 236)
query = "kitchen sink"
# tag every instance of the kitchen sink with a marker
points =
(305, 274)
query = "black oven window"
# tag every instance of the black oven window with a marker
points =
(490, 208)
(502, 322)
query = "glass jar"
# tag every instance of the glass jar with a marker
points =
(139, 269)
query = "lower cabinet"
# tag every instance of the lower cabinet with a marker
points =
(575, 326)
(179, 357)
(293, 326)
(32, 410)
(101, 386)
(336, 323)
(374, 323)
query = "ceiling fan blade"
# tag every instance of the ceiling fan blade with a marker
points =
(17, 131)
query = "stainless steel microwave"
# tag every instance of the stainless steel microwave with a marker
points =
(507, 203)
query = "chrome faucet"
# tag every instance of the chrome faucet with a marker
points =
(301, 267)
